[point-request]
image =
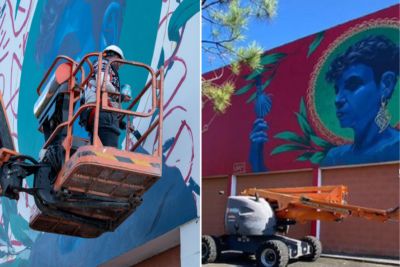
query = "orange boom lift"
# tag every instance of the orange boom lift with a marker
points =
(326, 203)
(257, 222)
(80, 189)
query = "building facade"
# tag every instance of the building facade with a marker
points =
(323, 110)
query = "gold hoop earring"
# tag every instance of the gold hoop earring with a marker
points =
(383, 117)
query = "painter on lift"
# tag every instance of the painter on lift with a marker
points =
(109, 126)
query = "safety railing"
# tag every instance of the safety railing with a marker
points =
(156, 103)
(103, 94)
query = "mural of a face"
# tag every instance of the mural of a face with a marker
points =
(364, 79)
(357, 97)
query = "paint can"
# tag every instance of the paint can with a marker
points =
(126, 90)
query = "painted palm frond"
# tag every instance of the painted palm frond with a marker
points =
(268, 62)
(263, 102)
(313, 148)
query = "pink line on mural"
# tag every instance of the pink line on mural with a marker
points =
(15, 58)
(25, 38)
(180, 82)
(4, 47)
(162, 21)
(2, 39)
(12, 98)
(165, 116)
(20, 8)
(15, 135)
(12, 109)
(1, 59)
(26, 19)
(184, 124)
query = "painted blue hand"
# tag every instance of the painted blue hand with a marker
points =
(258, 137)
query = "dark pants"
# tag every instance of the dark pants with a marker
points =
(108, 129)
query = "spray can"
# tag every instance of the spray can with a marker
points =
(126, 90)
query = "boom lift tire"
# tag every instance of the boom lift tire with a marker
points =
(210, 249)
(316, 248)
(273, 253)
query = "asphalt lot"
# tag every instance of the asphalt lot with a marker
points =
(237, 259)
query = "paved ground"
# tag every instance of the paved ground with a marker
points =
(236, 260)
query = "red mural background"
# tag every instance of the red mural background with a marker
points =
(226, 140)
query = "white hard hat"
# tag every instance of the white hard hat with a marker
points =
(114, 49)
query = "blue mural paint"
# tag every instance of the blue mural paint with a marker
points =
(364, 79)
(161, 211)
(258, 135)
(74, 28)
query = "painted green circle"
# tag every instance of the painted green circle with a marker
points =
(324, 95)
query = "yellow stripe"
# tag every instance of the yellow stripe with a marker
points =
(107, 156)
(141, 162)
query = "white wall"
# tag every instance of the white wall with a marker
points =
(183, 111)
(190, 244)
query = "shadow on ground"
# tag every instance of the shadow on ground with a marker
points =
(232, 259)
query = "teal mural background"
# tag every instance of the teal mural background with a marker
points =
(80, 27)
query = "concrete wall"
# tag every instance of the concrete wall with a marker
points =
(33, 34)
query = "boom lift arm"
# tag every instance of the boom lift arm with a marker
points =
(327, 203)
(82, 189)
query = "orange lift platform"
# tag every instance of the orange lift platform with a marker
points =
(82, 189)
(325, 203)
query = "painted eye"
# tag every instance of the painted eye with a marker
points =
(353, 83)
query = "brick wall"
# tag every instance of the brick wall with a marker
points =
(374, 187)
(169, 258)
(213, 205)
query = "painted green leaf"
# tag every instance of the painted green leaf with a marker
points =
(22, 260)
(294, 137)
(318, 157)
(315, 43)
(287, 147)
(162, 59)
(305, 156)
(7, 264)
(251, 98)
(244, 89)
(321, 142)
(267, 82)
(305, 126)
(22, 232)
(271, 58)
(303, 109)
(255, 73)
(181, 15)
(9, 207)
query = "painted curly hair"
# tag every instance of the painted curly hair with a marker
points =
(375, 51)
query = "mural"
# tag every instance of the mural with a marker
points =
(153, 32)
(325, 100)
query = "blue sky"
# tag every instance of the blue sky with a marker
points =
(300, 18)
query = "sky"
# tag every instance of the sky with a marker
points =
(300, 18)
